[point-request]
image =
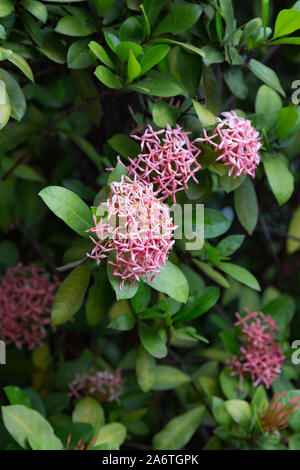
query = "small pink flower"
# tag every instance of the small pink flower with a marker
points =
(26, 296)
(236, 143)
(277, 415)
(108, 385)
(260, 355)
(138, 230)
(168, 161)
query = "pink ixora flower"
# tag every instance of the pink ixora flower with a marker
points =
(236, 143)
(276, 416)
(137, 231)
(260, 355)
(106, 385)
(26, 296)
(168, 160)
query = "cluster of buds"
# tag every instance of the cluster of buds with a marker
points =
(138, 230)
(26, 296)
(260, 355)
(168, 161)
(276, 416)
(236, 143)
(102, 384)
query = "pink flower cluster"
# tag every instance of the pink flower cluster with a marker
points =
(168, 162)
(236, 143)
(260, 355)
(138, 230)
(277, 415)
(108, 385)
(26, 296)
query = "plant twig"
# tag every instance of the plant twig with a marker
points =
(22, 158)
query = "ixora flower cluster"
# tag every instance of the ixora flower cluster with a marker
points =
(168, 161)
(260, 355)
(108, 385)
(138, 230)
(26, 296)
(236, 143)
(277, 414)
(137, 233)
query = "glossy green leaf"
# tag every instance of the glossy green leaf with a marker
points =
(152, 341)
(172, 282)
(167, 378)
(123, 322)
(266, 74)
(101, 54)
(74, 26)
(145, 369)
(279, 176)
(88, 410)
(78, 55)
(70, 294)
(240, 274)
(153, 55)
(246, 205)
(107, 77)
(287, 22)
(114, 433)
(179, 19)
(68, 207)
(36, 8)
(178, 432)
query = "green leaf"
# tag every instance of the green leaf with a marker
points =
(279, 177)
(153, 55)
(101, 54)
(127, 290)
(22, 171)
(123, 49)
(234, 79)
(88, 410)
(124, 145)
(294, 230)
(152, 341)
(230, 342)
(161, 85)
(229, 245)
(167, 378)
(131, 30)
(163, 114)
(113, 433)
(178, 432)
(179, 19)
(142, 298)
(5, 107)
(198, 304)
(240, 274)
(267, 106)
(240, 412)
(246, 205)
(6, 7)
(172, 282)
(21, 63)
(212, 55)
(231, 386)
(15, 94)
(102, 5)
(291, 40)
(282, 310)
(107, 77)
(206, 118)
(68, 207)
(219, 411)
(265, 14)
(287, 119)
(189, 69)
(98, 298)
(22, 423)
(123, 322)
(266, 74)
(37, 9)
(219, 224)
(145, 369)
(212, 273)
(16, 396)
(70, 294)
(229, 183)
(74, 26)
(228, 14)
(117, 173)
(287, 22)
(78, 55)
(44, 441)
